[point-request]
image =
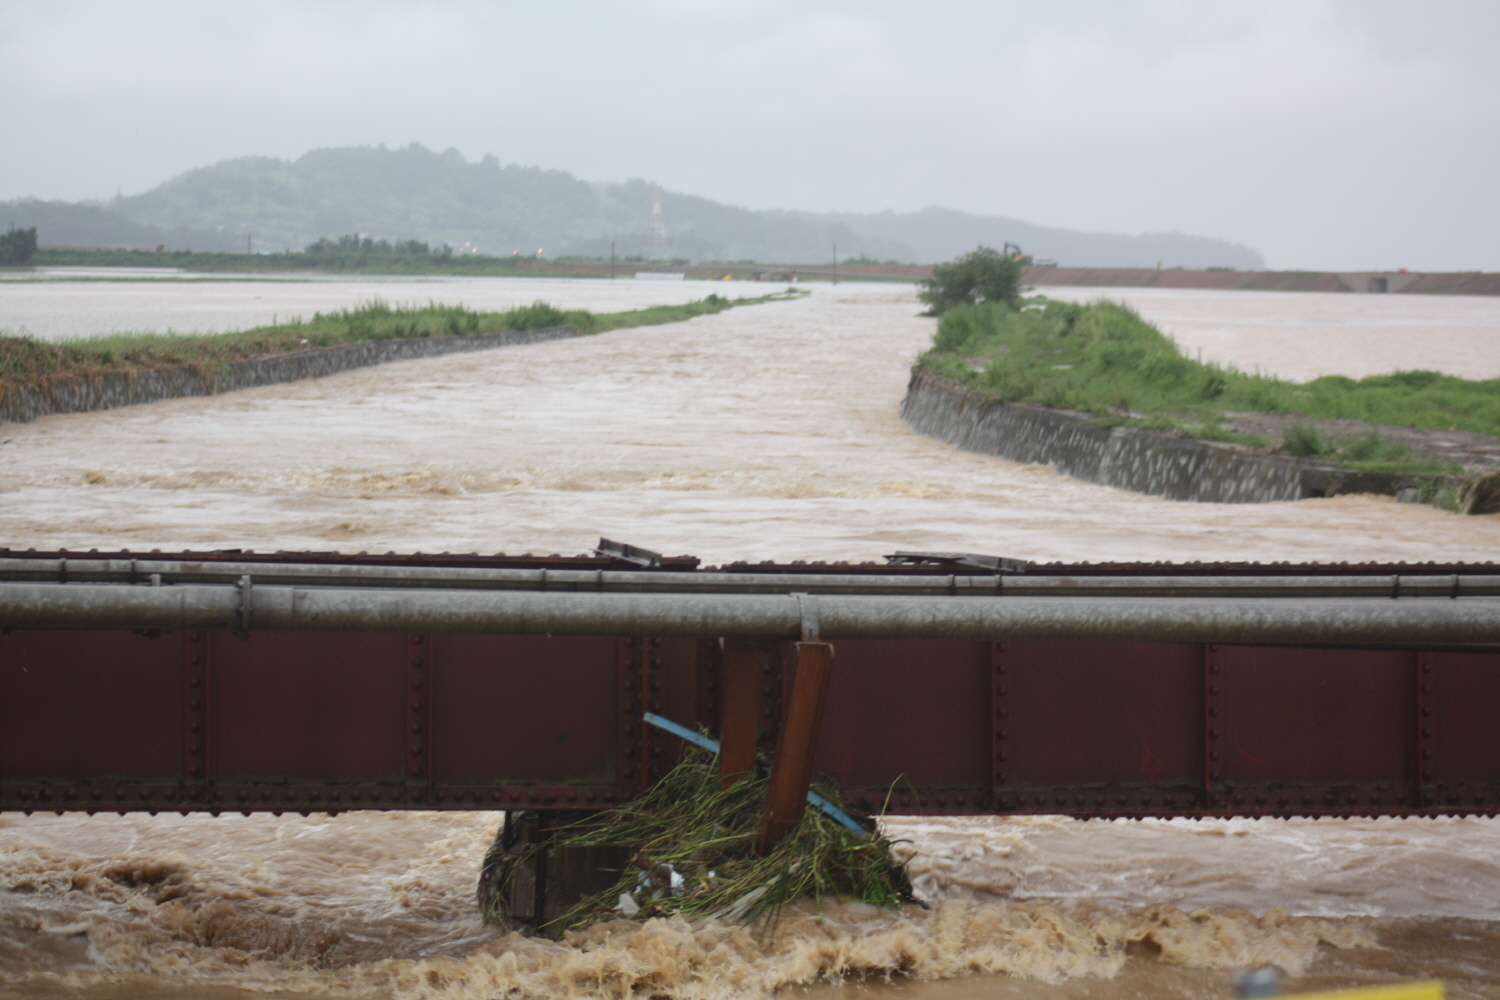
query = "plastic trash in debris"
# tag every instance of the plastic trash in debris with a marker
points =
(663, 877)
(743, 904)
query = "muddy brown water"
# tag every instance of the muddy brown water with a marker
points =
(759, 433)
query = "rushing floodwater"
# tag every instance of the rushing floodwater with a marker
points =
(765, 432)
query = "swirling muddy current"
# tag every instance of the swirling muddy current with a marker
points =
(762, 432)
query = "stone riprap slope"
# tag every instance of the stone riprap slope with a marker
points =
(1151, 462)
(106, 390)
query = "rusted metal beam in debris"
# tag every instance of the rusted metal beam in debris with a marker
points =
(745, 661)
(791, 771)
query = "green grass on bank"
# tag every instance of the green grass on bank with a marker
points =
(1102, 358)
(26, 360)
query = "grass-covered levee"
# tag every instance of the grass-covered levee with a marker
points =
(691, 850)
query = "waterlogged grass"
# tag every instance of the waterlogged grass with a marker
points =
(1102, 358)
(30, 361)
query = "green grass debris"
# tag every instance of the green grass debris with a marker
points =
(686, 825)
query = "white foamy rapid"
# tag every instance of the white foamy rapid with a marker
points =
(765, 432)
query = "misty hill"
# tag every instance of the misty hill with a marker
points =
(415, 193)
(66, 224)
(938, 234)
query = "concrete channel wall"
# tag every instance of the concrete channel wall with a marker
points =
(107, 390)
(1126, 457)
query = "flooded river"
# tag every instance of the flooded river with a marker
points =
(763, 432)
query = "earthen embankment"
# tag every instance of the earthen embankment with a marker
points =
(1131, 458)
(22, 403)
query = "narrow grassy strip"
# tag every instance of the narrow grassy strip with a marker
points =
(27, 360)
(1102, 358)
(687, 825)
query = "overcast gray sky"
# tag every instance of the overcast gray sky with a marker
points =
(1325, 134)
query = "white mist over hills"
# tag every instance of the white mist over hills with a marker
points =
(415, 193)
(1326, 134)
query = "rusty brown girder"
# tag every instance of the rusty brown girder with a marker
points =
(181, 721)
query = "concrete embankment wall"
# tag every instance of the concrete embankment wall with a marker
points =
(104, 391)
(1125, 457)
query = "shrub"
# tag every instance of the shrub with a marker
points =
(1304, 441)
(983, 275)
(17, 246)
(535, 317)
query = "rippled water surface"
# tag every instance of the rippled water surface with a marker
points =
(764, 432)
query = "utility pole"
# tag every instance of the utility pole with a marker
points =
(835, 263)
(611, 260)
(247, 243)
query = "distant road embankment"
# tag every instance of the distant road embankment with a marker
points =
(1044, 275)
(1411, 282)
(1041, 275)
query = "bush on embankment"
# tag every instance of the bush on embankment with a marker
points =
(26, 360)
(1102, 358)
(981, 275)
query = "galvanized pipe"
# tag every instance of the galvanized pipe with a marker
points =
(1330, 621)
(169, 571)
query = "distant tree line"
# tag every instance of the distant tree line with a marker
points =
(353, 244)
(17, 246)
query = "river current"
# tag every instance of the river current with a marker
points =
(766, 432)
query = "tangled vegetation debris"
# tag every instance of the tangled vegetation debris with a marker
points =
(693, 849)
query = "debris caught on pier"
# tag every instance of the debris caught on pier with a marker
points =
(692, 851)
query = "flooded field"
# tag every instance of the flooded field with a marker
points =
(1303, 335)
(78, 303)
(763, 432)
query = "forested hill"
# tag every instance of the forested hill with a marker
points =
(415, 193)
